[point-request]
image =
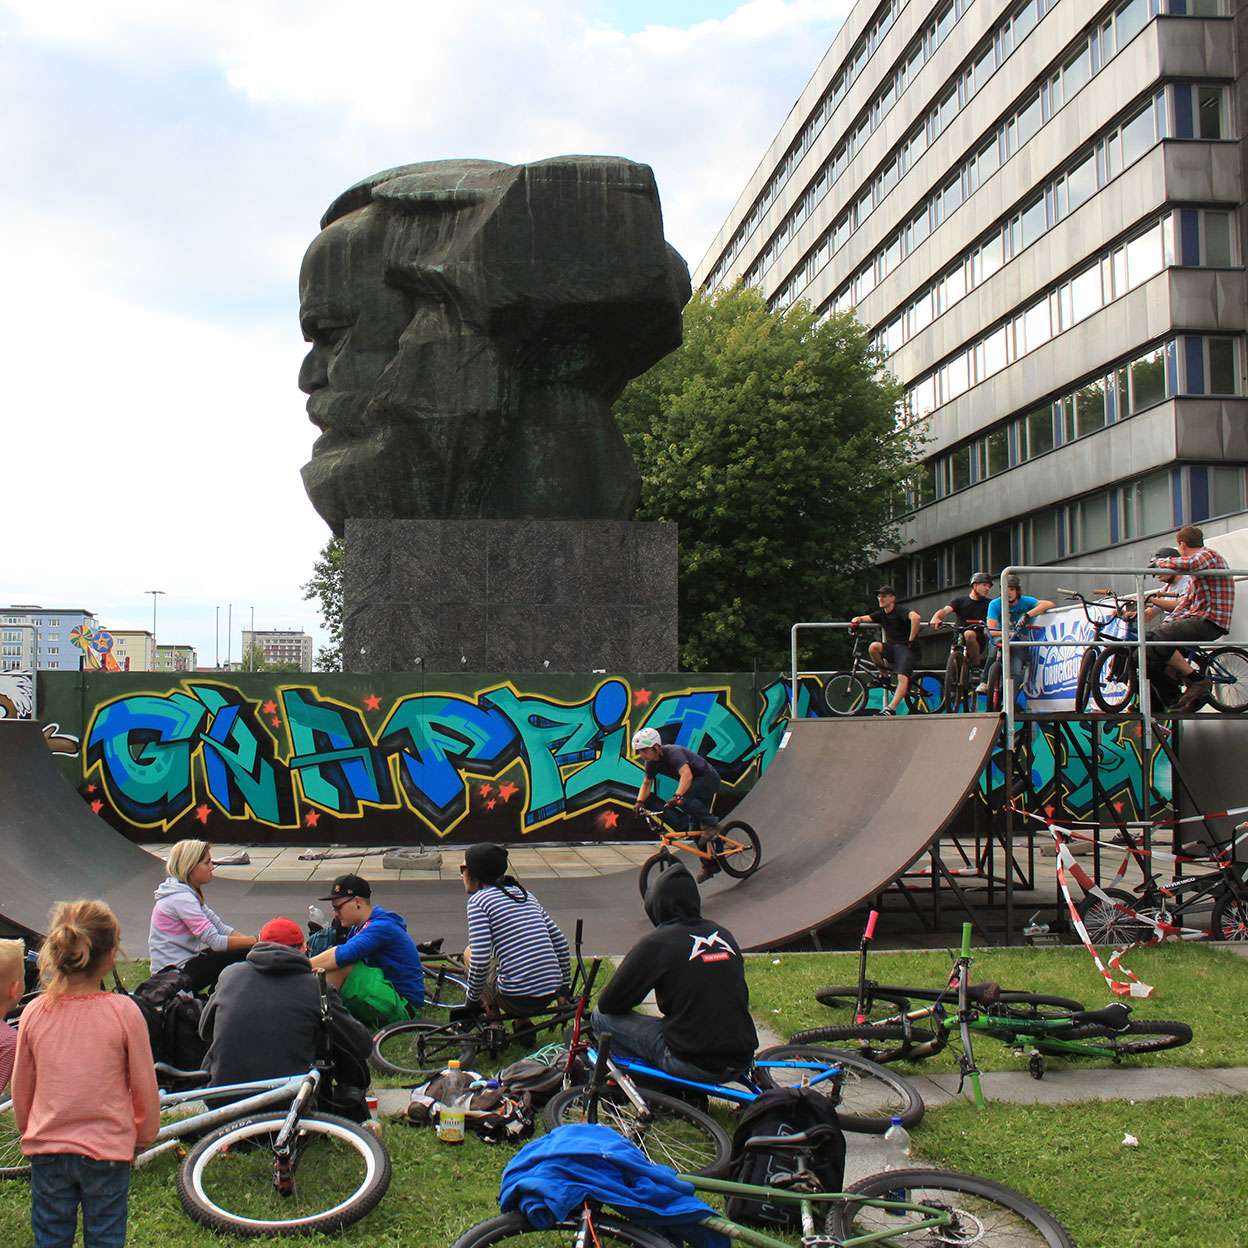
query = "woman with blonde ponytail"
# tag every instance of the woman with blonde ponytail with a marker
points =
(84, 1086)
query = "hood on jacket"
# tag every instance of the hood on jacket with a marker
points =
(270, 958)
(673, 897)
(170, 885)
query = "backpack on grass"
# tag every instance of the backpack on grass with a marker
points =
(172, 1012)
(783, 1111)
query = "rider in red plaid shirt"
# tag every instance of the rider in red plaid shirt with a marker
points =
(1202, 614)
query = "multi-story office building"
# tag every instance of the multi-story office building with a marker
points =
(47, 636)
(134, 649)
(280, 645)
(175, 659)
(17, 647)
(1037, 205)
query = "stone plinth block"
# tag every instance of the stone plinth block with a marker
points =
(509, 596)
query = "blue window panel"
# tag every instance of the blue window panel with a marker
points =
(1172, 367)
(1115, 528)
(1189, 234)
(1198, 492)
(1183, 128)
(1194, 354)
(1176, 496)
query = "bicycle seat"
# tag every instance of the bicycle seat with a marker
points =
(429, 947)
(811, 1137)
(192, 1077)
(986, 993)
(1117, 1017)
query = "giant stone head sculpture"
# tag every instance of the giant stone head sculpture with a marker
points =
(471, 324)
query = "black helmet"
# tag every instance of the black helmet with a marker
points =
(981, 578)
(1012, 582)
(1166, 552)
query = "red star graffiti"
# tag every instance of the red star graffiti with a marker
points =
(312, 818)
(641, 697)
(508, 791)
(609, 819)
(485, 790)
(269, 707)
(202, 813)
(97, 805)
(372, 702)
(491, 803)
(90, 788)
(277, 723)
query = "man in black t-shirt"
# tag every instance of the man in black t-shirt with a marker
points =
(697, 782)
(970, 611)
(900, 648)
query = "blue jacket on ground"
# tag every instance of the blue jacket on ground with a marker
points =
(550, 1177)
(382, 941)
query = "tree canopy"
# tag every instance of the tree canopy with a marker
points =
(773, 441)
(325, 587)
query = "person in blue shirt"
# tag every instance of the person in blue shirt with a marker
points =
(377, 968)
(1020, 605)
(697, 782)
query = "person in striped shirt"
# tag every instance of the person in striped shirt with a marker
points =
(518, 959)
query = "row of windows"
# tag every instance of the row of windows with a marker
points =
(1108, 278)
(1153, 505)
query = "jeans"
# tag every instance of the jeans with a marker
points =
(641, 1036)
(60, 1182)
(695, 806)
(1018, 661)
(1193, 628)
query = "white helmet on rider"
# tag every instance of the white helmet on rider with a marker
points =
(645, 738)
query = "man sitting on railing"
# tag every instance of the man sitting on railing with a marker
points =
(1202, 614)
(695, 969)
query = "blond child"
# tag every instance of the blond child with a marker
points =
(84, 1085)
(12, 982)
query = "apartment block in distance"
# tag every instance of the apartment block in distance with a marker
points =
(45, 641)
(175, 659)
(280, 646)
(1038, 208)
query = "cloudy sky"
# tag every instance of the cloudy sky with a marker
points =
(164, 166)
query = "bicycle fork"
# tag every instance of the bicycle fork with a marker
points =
(284, 1155)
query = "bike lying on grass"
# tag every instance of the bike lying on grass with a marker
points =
(1032, 1031)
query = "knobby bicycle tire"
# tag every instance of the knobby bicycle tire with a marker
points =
(879, 1042)
(13, 1162)
(653, 866)
(341, 1172)
(893, 1000)
(1229, 667)
(445, 989)
(1230, 917)
(676, 1134)
(870, 1095)
(1144, 1035)
(844, 693)
(1083, 682)
(416, 1046)
(987, 1214)
(993, 698)
(898, 997)
(515, 1228)
(925, 694)
(956, 681)
(1114, 681)
(737, 862)
(1107, 925)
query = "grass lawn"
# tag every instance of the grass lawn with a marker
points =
(1183, 1187)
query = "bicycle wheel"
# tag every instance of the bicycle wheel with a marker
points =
(870, 1095)
(13, 1163)
(1145, 1035)
(844, 694)
(652, 868)
(885, 1000)
(1113, 680)
(673, 1134)
(1083, 682)
(879, 1042)
(415, 1047)
(736, 848)
(1107, 925)
(956, 681)
(993, 698)
(1230, 917)
(339, 1172)
(1228, 669)
(984, 1213)
(445, 989)
(515, 1228)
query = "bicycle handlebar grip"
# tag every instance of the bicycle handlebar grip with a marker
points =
(871, 919)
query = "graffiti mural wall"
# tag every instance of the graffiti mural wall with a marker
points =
(372, 760)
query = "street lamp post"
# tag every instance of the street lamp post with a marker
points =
(154, 593)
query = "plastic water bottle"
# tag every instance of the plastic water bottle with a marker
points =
(896, 1153)
(316, 918)
(454, 1093)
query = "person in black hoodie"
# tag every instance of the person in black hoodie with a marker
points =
(697, 974)
(264, 1016)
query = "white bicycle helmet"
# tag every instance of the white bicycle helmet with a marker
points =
(644, 738)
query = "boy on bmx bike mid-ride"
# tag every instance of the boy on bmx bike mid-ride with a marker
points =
(697, 782)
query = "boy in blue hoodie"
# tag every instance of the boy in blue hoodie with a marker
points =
(377, 968)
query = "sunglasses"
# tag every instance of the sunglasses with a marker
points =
(338, 905)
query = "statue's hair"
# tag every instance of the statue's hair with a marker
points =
(184, 857)
(81, 935)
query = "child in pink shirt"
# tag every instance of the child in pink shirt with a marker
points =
(12, 981)
(84, 1085)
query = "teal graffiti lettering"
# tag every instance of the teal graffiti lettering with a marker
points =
(707, 725)
(334, 757)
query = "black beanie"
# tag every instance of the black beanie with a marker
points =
(486, 863)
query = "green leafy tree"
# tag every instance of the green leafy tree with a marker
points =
(325, 587)
(774, 442)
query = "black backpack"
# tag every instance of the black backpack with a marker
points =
(783, 1111)
(172, 1015)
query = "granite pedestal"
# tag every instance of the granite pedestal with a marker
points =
(509, 596)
